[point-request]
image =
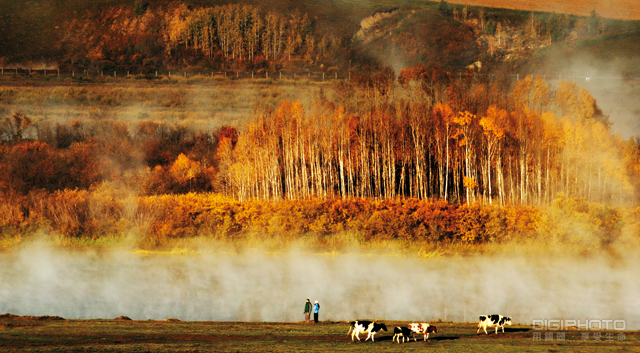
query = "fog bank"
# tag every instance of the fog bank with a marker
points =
(255, 286)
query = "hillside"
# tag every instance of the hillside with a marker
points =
(409, 37)
(33, 33)
(142, 36)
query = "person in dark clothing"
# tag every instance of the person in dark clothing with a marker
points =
(316, 309)
(307, 312)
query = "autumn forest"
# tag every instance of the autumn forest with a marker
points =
(423, 154)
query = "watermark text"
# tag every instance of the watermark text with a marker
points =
(579, 324)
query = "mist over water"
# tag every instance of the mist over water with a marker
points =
(255, 286)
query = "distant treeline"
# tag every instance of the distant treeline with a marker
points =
(145, 36)
(219, 37)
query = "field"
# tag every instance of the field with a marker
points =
(48, 334)
(616, 9)
(199, 102)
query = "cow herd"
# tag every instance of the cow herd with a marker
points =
(372, 328)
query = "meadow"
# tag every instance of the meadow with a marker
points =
(198, 102)
(50, 334)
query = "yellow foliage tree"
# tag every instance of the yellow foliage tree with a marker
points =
(493, 128)
(184, 169)
(464, 133)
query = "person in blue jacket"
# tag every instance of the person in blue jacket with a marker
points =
(316, 309)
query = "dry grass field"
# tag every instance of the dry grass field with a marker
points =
(614, 9)
(200, 103)
(44, 334)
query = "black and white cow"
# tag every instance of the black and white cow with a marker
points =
(403, 332)
(497, 321)
(369, 327)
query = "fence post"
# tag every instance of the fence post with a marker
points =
(58, 72)
(115, 73)
(73, 73)
(336, 77)
(267, 74)
(252, 75)
(323, 76)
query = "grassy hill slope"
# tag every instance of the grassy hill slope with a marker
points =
(615, 9)
(422, 36)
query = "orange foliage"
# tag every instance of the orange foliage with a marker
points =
(80, 213)
(27, 166)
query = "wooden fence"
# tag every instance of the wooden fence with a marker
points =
(264, 74)
(244, 75)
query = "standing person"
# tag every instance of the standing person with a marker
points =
(307, 312)
(316, 309)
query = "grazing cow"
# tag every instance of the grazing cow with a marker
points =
(497, 321)
(369, 327)
(430, 329)
(402, 332)
(423, 328)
